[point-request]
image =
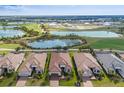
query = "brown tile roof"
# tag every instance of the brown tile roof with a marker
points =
(59, 58)
(37, 59)
(85, 61)
(12, 59)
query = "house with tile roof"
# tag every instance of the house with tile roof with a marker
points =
(11, 62)
(111, 63)
(60, 63)
(34, 62)
(86, 64)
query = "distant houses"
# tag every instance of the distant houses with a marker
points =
(60, 64)
(86, 65)
(34, 62)
(10, 62)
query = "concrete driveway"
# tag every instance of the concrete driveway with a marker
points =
(87, 82)
(54, 83)
(54, 80)
(21, 82)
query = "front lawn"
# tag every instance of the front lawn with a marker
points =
(9, 80)
(33, 82)
(106, 82)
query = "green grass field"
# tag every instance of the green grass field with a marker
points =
(109, 43)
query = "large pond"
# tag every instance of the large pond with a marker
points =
(8, 27)
(101, 34)
(54, 43)
(11, 33)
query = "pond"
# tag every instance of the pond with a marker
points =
(11, 33)
(54, 43)
(8, 27)
(99, 34)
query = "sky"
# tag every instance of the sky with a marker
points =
(61, 9)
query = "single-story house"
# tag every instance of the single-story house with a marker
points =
(86, 64)
(110, 62)
(60, 62)
(11, 62)
(34, 62)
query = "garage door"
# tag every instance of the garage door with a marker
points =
(54, 77)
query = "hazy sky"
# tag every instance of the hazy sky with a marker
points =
(62, 10)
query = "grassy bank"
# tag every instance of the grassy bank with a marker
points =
(9, 46)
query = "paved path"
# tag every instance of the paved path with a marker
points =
(54, 83)
(21, 82)
(87, 82)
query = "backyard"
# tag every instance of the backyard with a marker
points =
(9, 80)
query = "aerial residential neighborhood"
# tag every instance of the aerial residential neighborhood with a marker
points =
(61, 50)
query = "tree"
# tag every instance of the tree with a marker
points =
(121, 30)
(4, 24)
(17, 49)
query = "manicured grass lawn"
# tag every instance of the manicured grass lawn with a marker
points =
(9, 46)
(34, 82)
(8, 81)
(113, 43)
(106, 82)
(72, 81)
